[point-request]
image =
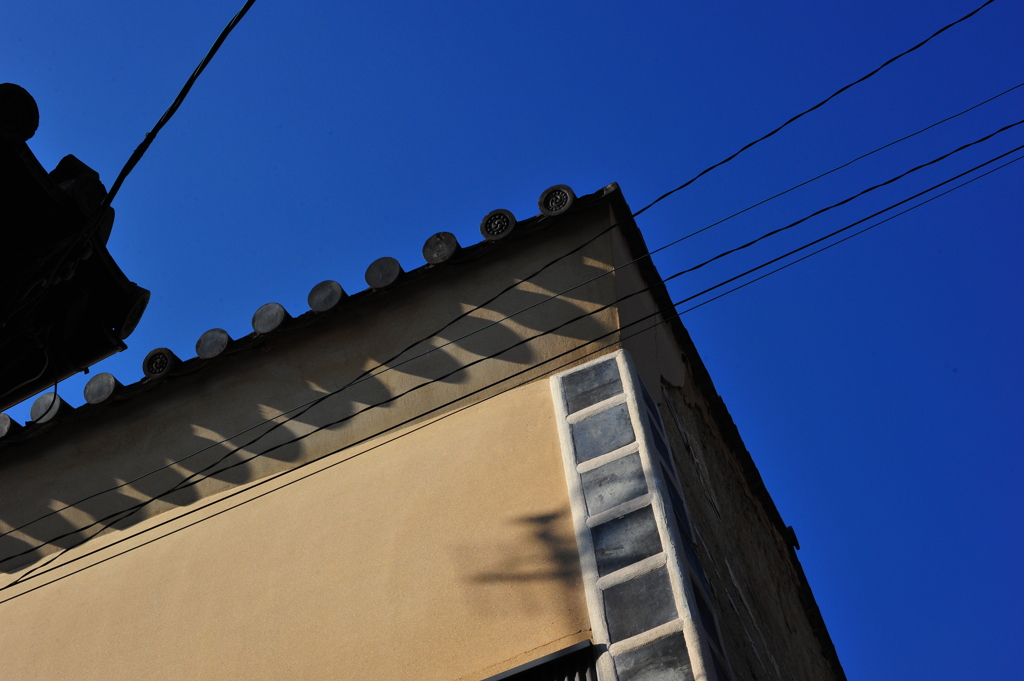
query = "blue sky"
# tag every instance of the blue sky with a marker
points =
(877, 385)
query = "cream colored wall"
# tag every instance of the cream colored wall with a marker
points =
(447, 553)
(188, 413)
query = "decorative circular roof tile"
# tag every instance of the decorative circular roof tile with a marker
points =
(383, 272)
(440, 247)
(46, 407)
(212, 343)
(497, 224)
(100, 388)
(269, 317)
(8, 425)
(159, 362)
(556, 200)
(325, 296)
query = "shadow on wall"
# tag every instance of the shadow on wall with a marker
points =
(266, 450)
(542, 560)
(552, 556)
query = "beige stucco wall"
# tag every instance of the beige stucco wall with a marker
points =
(191, 413)
(447, 553)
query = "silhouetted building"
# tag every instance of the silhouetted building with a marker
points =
(64, 302)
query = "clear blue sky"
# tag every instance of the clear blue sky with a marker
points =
(876, 385)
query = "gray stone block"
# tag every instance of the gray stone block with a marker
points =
(677, 506)
(666, 659)
(613, 484)
(659, 443)
(639, 605)
(706, 616)
(649, 401)
(626, 540)
(603, 432)
(591, 385)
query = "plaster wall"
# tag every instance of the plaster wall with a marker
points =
(446, 552)
(200, 414)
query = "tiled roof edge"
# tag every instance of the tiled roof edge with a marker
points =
(523, 229)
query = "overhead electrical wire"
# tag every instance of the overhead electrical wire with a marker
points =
(188, 85)
(666, 317)
(387, 365)
(837, 168)
(137, 155)
(816, 106)
(123, 514)
(916, 168)
(640, 291)
(149, 138)
(231, 452)
(172, 109)
(857, 233)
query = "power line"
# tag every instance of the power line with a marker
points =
(136, 156)
(119, 516)
(665, 318)
(141, 149)
(857, 233)
(837, 168)
(172, 109)
(853, 224)
(846, 200)
(369, 373)
(816, 106)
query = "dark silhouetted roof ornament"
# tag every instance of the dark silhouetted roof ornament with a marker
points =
(101, 388)
(212, 343)
(64, 302)
(19, 115)
(497, 224)
(325, 295)
(159, 363)
(383, 272)
(48, 407)
(269, 317)
(556, 200)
